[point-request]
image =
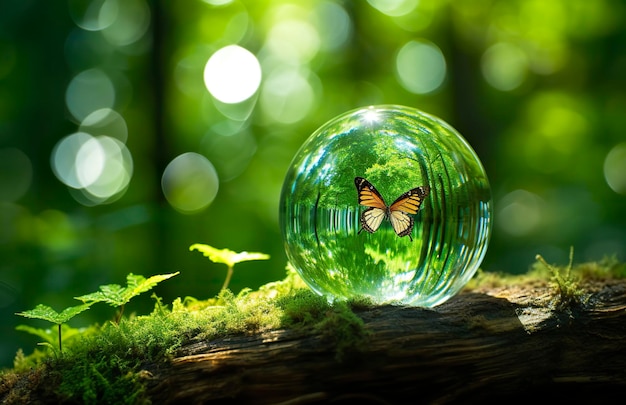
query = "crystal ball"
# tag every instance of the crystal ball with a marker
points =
(389, 203)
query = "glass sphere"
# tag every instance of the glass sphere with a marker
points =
(389, 203)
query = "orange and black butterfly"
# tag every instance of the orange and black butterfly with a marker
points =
(397, 213)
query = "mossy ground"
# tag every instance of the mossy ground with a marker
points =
(106, 364)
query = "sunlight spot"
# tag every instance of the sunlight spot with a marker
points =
(93, 15)
(190, 183)
(105, 121)
(218, 2)
(63, 158)
(504, 66)
(131, 24)
(421, 67)
(100, 167)
(293, 40)
(232, 74)
(116, 171)
(371, 116)
(287, 96)
(394, 8)
(334, 25)
(230, 151)
(520, 212)
(615, 168)
(88, 91)
(89, 162)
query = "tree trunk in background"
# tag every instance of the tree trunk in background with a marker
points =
(497, 345)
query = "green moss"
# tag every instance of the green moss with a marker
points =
(345, 328)
(567, 281)
(106, 366)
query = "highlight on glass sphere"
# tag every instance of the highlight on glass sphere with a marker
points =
(388, 203)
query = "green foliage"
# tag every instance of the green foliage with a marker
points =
(608, 267)
(228, 257)
(49, 336)
(50, 340)
(112, 294)
(302, 308)
(107, 381)
(116, 295)
(566, 280)
(567, 286)
(48, 314)
(108, 365)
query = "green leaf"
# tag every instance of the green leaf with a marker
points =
(48, 335)
(110, 293)
(227, 256)
(116, 295)
(48, 314)
(51, 335)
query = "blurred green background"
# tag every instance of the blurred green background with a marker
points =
(131, 129)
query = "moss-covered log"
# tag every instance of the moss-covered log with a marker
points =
(498, 344)
(507, 339)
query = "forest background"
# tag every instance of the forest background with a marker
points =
(118, 152)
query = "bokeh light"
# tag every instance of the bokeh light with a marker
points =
(130, 22)
(16, 174)
(108, 168)
(63, 158)
(190, 183)
(229, 150)
(218, 2)
(394, 8)
(334, 25)
(519, 212)
(105, 121)
(293, 40)
(93, 15)
(287, 95)
(615, 168)
(504, 66)
(88, 91)
(100, 166)
(421, 66)
(232, 74)
(187, 71)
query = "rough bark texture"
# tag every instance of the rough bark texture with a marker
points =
(505, 344)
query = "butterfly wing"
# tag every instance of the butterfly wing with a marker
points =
(371, 219)
(369, 197)
(410, 201)
(407, 203)
(402, 223)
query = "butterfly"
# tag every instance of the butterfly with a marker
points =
(397, 213)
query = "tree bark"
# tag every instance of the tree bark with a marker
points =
(491, 345)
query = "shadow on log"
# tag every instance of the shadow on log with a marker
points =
(499, 345)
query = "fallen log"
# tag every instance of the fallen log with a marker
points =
(492, 344)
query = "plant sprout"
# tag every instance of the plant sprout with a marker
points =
(48, 314)
(117, 296)
(566, 285)
(228, 257)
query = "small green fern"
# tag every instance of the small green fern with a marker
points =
(228, 257)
